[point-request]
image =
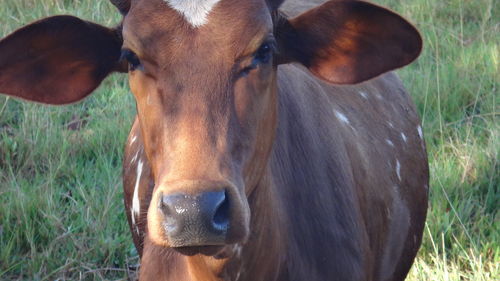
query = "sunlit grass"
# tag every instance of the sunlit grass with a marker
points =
(61, 213)
(455, 85)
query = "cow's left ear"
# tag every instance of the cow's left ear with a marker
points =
(58, 60)
(347, 42)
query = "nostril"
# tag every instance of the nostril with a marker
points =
(221, 216)
(171, 210)
(203, 216)
(164, 205)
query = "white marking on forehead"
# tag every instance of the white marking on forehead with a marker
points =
(194, 11)
(420, 134)
(136, 206)
(389, 142)
(363, 94)
(403, 136)
(341, 117)
(398, 169)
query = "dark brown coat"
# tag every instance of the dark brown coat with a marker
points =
(245, 162)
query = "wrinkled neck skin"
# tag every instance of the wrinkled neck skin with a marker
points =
(258, 259)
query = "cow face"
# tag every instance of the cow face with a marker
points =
(203, 73)
(205, 92)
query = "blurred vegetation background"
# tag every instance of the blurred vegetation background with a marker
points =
(61, 211)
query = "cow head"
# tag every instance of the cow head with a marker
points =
(203, 73)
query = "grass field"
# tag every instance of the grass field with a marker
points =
(61, 212)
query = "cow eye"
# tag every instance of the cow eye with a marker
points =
(264, 53)
(262, 56)
(132, 59)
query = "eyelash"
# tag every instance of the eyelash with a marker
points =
(262, 56)
(131, 58)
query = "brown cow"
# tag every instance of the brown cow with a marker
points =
(241, 165)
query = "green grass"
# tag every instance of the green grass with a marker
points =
(61, 212)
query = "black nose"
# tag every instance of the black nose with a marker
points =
(195, 220)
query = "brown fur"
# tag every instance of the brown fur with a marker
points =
(324, 182)
(316, 235)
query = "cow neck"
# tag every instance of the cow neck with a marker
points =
(264, 251)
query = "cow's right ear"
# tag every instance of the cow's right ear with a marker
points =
(347, 42)
(58, 60)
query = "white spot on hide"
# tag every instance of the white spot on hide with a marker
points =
(363, 94)
(194, 11)
(132, 215)
(135, 157)
(420, 134)
(389, 142)
(390, 124)
(237, 250)
(379, 96)
(398, 169)
(136, 206)
(133, 139)
(403, 136)
(341, 117)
